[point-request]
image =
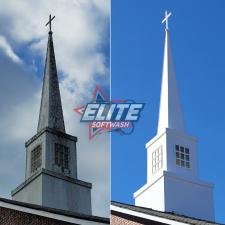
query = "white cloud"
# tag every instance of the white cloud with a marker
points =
(81, 32)
(79, 29)
(6, 48)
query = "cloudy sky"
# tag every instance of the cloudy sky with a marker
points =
(81, 40)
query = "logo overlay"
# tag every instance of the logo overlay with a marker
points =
(103, 115)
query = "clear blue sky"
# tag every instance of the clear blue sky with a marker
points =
(197, 32)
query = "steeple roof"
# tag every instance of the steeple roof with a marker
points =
(51, 113)
(170, 113)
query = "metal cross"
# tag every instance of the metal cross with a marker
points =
(166, 19)
(50, 22)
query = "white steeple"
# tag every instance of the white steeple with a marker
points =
(173, 183)
(170, 113)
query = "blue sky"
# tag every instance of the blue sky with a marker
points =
(198, 44)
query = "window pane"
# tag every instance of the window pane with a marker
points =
(182, 163)
(182, 156)
(153, 169)
(182, 149)
(62, 156)
(156, 160)
(153, 155)
(35, 158)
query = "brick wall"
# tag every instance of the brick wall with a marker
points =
(13, 217)
(118, 218)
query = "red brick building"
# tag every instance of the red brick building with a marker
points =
(18, 213)
(124, 214)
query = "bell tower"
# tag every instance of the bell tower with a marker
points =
(173, 183)
(51, 158)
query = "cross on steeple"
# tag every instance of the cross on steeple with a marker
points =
(166, 19)
(50, 22)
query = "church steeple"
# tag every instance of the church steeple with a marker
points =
(170, 113)
(173, 183)
(51, 113)
(51, 154)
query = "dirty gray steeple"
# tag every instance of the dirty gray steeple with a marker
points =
(51, 113)
(51, 154)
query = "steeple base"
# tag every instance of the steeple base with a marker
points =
(50, 189)
(173, 193)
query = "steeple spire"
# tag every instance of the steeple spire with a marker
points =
(51, 114)
(172, 162)
(170, 113)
